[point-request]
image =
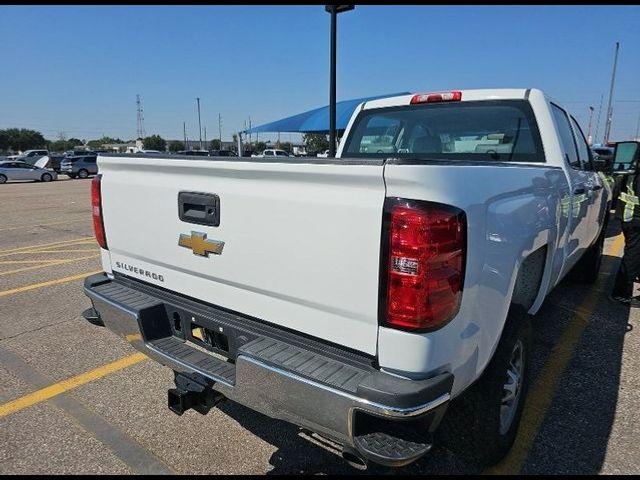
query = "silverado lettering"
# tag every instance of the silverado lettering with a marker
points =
(139, 271)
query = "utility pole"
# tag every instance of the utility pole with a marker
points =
(140, 127)
(199, 124)
(607, 130)
(637, 137)
(205, 134)
(184, 130)
(220, 128)
(589, 134)
(333, 10)
(599, 112)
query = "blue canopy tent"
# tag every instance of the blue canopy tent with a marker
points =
(317, 120)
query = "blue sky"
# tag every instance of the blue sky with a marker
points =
(77, 70)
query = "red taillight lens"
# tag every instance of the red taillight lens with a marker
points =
(96, 209)
(426, 260)
(437, 97)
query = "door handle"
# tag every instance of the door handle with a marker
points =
(579, 190)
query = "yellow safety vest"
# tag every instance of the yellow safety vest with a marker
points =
(630, 200)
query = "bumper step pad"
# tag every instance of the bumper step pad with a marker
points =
(388, 449)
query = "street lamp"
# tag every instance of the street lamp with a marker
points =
(334, 10)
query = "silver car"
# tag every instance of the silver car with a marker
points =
(12, 170)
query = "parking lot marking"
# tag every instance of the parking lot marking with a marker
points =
(541, 394)
(14, 262)
(50, 264)
(16, 227)
(33, 247)
(67, 251)
(134, 455)
(48, 283)
(68, 384)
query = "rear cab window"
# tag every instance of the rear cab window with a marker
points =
(489, 130)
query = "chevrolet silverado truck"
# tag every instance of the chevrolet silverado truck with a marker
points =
(382, 298)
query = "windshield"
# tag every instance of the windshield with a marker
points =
(501, 130)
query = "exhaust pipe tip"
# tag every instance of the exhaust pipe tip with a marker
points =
(354, 458)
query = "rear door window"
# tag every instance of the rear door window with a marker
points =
(569, 148)
(584, 153)
(492, 130)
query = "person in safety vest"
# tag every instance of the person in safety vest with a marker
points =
(628, 212)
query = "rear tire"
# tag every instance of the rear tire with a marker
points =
(481, 424)
(46, 177)
(3, 179)
(83, 173)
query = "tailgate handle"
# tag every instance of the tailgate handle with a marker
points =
(199, 208)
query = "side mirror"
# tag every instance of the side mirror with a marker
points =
(625, 157)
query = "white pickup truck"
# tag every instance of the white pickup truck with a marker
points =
(359, 297)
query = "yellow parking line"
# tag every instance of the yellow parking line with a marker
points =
(50, 264)
(16, 227)
(49, 283)
(14, 262)
(66, 251)
(66, 385)
(32, 247)
(541, 394)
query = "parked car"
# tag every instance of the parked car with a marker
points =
(273, 152)
(364, 299)
(15, 170)
(29, 156)
(197, 153)
(222, 153)
(80, 166)
(77, 153)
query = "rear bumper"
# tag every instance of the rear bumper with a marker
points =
(332, 392)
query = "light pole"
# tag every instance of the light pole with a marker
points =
(607, 130)
(199, 124)
(589, 133)
(334, 10)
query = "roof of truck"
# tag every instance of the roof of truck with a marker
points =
(467, 95)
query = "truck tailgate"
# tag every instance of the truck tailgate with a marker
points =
(301, 240)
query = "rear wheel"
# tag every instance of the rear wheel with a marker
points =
(3, 179)
(46, 177)
(481, 424)
(83, 173)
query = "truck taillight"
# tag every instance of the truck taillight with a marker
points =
(96, 209)
(437, 97)
(425, 263)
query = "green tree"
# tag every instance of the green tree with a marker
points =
(315, 142)
(21, 139)
(97, 144)
(64, 145)
(214, 144)
(286, 146)
(258, 147)
(176, 146)
(155, 142)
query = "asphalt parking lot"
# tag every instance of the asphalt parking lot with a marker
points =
(74, 398)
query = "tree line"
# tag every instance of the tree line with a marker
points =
(21, 139)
